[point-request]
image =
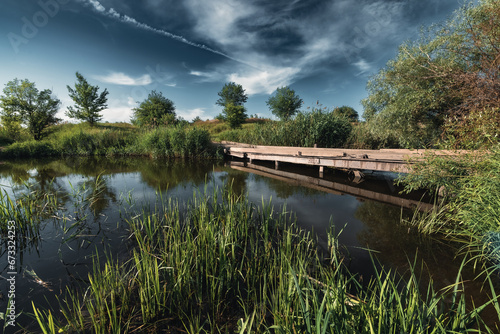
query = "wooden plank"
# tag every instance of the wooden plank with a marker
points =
(389, 160)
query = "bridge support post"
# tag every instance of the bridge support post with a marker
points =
(358, 177)
(321, 170)
(276, 164)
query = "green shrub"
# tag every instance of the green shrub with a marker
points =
(29, 149)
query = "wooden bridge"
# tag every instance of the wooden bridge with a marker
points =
(385, 160)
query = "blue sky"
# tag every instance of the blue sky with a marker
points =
(324, 49)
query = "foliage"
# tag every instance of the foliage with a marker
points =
(29, 149)
(451, 73)
(471, 183)
(232, 93)
(118, 139)
(235, 115)
(23, 103)
(285, 103)
(365, 136)
(348, 112)
(324, 129)
(154, 111)
(88, 102)
(176, 142)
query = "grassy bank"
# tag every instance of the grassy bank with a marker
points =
(470, 208)
(115, 139)
(221, 264)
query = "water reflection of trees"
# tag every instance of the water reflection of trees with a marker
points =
(237, 180)
(397, 245)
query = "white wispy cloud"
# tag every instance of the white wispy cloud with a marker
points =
(191, 114)
(363, 66)
(97, 5)
(264, 81)
(335, 32)
(117, 114)
(247, 32)
(119, 78)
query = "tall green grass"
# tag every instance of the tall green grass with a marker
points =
(469, 214)
(175, 142)
(27, 209)
(107, 140)
(220, 264)
(325, 129)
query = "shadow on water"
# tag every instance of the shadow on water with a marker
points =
(95, 194)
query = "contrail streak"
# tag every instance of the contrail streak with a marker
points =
(112, 13)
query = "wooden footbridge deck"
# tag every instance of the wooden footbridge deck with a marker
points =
(386, 160)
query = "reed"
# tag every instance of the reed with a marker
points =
(320, 127)
(110, 140)
(26, 209)
(220, 264)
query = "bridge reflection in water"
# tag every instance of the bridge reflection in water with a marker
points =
(359, 190)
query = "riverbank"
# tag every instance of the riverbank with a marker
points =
(114, 140)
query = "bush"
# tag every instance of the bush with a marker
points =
(29, 149)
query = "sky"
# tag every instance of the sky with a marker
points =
(325, 50)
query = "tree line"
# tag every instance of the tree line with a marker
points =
(23, 104)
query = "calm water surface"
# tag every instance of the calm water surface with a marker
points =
(66, 251)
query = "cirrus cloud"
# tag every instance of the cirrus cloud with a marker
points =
(119, 78)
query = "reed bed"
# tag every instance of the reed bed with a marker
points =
(219, 264)
(25, 210)
(317, 127)
(81, 140)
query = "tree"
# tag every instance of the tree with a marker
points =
(154, 110)
(235, 115)
(232, 93)
(232, 97)
(448, 80)
(347, 112)
(23, 103)
(285, 103)
(88, 102)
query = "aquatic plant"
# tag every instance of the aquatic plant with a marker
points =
(221, 264)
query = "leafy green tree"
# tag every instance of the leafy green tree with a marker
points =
(448, 77)
(232, 93)
(345, 111)
(232, 97)
(154, 111)
(88, 102)
(285, 103)
(23, 103)
(235, 115)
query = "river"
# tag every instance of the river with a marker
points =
(65, 251)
